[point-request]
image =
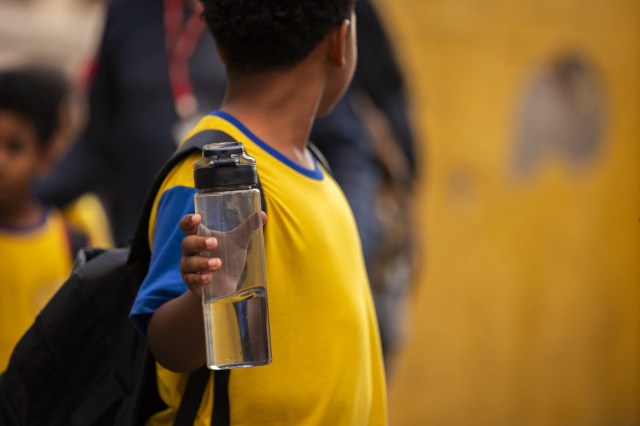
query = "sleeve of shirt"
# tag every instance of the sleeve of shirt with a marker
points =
(164, 281)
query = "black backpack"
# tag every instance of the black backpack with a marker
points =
(82, 362)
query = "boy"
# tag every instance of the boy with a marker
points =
(288, 61)
(35, 242)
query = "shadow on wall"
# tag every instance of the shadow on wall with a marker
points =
(562, 115)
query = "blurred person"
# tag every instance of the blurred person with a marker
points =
(37, 243)
(86, 212)
(368, 141)
(154, 74)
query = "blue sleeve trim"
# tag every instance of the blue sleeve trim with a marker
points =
(315, 173)
(164, 281)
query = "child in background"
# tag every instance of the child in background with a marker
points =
(287, 62)
(37, 243)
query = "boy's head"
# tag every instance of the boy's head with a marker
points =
(30, 103)
(265, 36)
(259, 36)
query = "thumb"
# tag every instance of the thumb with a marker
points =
(189, 224)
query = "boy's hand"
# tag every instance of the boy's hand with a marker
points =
(193, 267)
(197, 270)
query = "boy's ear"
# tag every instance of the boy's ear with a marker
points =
(51, 152)
(339, 40)
(221, 54)
(47, 158)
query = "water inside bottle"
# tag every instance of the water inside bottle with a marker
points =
(237, 330)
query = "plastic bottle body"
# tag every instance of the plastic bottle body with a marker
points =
(235, 307)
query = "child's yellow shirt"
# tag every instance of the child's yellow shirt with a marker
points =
(327, 364)
(33, 264)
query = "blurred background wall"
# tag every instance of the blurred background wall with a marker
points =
(57, 32)
(526, 308)
(526, 311)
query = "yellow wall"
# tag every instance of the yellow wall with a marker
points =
(526, 311)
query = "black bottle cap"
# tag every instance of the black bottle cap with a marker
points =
(224, 164)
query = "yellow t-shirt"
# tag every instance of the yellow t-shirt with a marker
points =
(33, 265)
(327, 366)
(86, 213)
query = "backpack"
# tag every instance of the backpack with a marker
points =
(82, 361)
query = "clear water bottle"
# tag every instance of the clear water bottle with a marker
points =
(236, 314)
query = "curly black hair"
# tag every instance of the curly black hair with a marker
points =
(35, 94)
(262, 35)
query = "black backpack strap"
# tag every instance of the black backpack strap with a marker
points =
(141, 252)
(192, 397)
(221, 414)
(319, 156)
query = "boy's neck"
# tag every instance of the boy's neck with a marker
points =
(279, 107)
(23, 215)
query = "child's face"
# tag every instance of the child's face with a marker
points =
(20, 159)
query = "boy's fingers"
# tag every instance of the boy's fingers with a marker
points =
(194, 244)
(196, 265)
(198, 271)
(189, 223)
(196, 281)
